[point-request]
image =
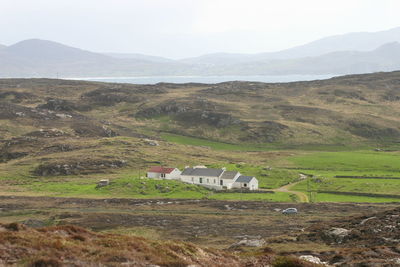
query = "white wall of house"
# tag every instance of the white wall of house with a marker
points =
(252, 185)
(211, 182)
(174, 175)
(155, 175)
(228, 183)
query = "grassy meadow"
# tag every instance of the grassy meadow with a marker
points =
(273, 169)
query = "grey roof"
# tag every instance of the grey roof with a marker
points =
(202, 172)
(229, 174)
(244, 179)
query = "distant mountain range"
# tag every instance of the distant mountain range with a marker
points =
(343, 54)
(362, 41)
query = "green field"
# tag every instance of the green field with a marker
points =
(362, 163)
(323, 197)
(216, 145)
(324, 166)
(186, 140)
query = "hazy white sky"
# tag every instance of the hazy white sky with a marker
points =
(182, 28)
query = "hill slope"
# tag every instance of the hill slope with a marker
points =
(344, 110)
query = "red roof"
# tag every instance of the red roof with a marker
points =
(160, 169)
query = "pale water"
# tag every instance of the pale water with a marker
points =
(207, 79)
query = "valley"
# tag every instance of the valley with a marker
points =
(329, 148)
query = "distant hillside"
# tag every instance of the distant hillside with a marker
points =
(361, 41)
(384, 58)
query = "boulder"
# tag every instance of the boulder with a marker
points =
(337, 235)
(313, 259)
(248, 243)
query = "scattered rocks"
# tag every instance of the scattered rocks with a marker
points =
(47, 133)
(151, 142)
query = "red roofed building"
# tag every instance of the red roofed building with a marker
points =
(159, 172)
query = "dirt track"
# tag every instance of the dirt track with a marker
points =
(286, 188)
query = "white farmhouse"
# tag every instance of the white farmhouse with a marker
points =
(159, 172)
(218, 178)
(203, 176)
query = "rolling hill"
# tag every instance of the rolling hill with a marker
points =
(346, 110)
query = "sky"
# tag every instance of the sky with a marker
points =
(186, 28)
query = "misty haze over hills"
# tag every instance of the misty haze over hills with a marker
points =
(343, 54)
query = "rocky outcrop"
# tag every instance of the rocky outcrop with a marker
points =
(200, 111)
(56, 104)
(111, 96)
(79, 167)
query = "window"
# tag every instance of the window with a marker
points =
(208, 181)
(221, 182)
(200, 180)
(245, 185)
(162, 175)
(192, 179)
(214, 181)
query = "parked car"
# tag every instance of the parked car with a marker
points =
(290, 211)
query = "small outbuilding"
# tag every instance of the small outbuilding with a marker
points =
(248, 182)
(103, 182)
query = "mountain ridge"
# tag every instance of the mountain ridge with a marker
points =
(343, 42)
(42, 58)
